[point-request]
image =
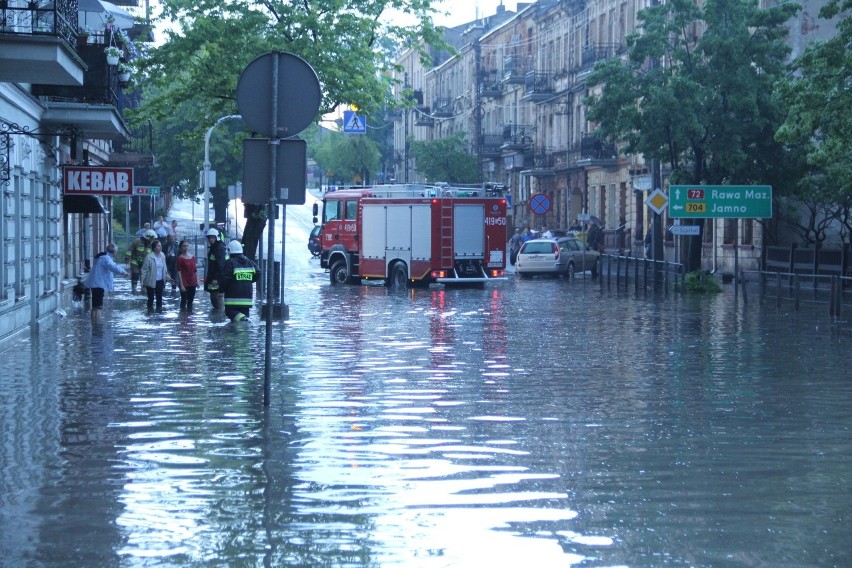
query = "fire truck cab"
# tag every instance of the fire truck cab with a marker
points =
(414, 234)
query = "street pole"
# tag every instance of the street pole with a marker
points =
(207, 168)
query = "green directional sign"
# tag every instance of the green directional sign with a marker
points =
(146, 190)
(720, 201)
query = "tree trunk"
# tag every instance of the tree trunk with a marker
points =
(255, 224)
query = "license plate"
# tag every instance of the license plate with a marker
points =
(536, 257)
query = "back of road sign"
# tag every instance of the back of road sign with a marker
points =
(298, 94)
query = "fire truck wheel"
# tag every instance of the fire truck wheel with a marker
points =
(399, 276)
(339, 273)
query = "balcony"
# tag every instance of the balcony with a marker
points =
(90, 109)
(137, 151)
(592, 151)
(489, 85)
(595, 52)
(443, 108)
(515, 69)
(538, 86)
(422, 117)
(516, 138)
(491, 146)
(542, 163)
(37, 40)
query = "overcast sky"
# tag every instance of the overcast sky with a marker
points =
(462, 11)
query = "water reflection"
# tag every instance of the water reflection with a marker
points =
(540, 423)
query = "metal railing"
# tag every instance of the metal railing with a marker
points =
(643, 273)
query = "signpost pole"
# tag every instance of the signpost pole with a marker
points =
(270, 263)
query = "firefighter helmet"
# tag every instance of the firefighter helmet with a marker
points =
(234, 247)
(211, 232)
(150, 234)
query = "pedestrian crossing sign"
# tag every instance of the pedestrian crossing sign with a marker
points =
(353, 124)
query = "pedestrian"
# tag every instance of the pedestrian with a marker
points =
(136, 254)
(174, 230)
(187, 276)
(515, 246)
(238, 278)
(170, 250)
(576, 226)
(216, 257)
(145, 228)
(595, 237)
(545, 232)
(161, 228)
(101, 279)
(527, 236)
(154, 275)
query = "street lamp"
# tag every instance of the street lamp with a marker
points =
(207, 168)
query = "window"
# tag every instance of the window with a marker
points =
(730, 232)
(332, 211)
(351, 210)
(748, 232)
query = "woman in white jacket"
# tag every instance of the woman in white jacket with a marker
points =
(154, 275)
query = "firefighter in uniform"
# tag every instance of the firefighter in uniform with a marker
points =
(135, 256)
(238, 278)
(216, 257)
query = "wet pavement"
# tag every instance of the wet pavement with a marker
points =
(535, 423)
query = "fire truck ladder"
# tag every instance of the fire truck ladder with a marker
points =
(447, 234)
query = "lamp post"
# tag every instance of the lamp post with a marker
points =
(207, 168)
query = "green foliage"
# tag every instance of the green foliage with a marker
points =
(706, 109)
(345, 158)
(699, 282)
(216, 39)
(819, 98)
(446, 160)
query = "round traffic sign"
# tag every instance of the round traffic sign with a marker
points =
(282, 81)
(539, 204)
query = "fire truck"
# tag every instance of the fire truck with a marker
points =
(413, 234)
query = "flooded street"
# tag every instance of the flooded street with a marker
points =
(536, 423)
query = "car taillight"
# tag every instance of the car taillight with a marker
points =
(439, 274)
(555, 251)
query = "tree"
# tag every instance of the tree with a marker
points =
(202, 59)
(445, 159)
(819, 96)
(351, 158)
(706, 109)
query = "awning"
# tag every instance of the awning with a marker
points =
(82, 204)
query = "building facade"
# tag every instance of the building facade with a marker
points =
(517, 87)
(61, 102)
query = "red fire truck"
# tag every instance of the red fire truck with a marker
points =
(414, 234)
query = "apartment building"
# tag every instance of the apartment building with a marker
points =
(517, 90)
(60, 103)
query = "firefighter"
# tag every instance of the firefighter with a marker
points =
(237, 282)
(216, 257)
(135, 256)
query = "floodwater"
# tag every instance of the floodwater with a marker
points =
(536, 423)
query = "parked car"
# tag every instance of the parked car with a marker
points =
(314, 244)
(562, 256)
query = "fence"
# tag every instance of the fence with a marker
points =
(827, 290)
(644, 273)
(794, 260)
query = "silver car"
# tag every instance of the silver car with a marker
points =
(563, 256)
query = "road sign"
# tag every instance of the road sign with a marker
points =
(539, 204)
(354, 123)
(279, 84)
(685, 230)
(584, 217)
(291, 166)
(146, 190)
(720, 201)
(657, 201)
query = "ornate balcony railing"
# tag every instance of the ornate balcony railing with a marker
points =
(40, 17)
